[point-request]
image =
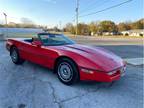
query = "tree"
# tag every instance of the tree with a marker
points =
(1, 25)
(70, 28)
(107, 26)
(138, 24)
(92, 27)
(11, 24)
(56, 29)
(123, 26)
(83, 29)
(27, 23)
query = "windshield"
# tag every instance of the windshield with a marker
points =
(54, 39)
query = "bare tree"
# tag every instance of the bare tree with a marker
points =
(27, 23)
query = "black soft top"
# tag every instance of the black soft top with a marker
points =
(49, 34)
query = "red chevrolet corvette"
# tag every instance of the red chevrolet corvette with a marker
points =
(71, 61)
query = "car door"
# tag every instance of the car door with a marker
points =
(39, 54)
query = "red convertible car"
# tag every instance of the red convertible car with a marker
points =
(71, 61)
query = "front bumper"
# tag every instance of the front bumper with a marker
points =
(102, 76)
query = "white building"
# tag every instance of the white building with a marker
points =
(138, 32)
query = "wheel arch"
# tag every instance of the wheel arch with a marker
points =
(12, 46)
(62, 57)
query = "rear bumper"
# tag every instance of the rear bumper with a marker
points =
(100, 76)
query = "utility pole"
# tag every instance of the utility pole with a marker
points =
(60, 28)
(6, 25)
(77, 15)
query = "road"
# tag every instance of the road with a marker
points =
(108, 40)
(33, 86)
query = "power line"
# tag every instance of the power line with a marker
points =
(77, 6)
(117, 5)
(93, 6)
(89, 5)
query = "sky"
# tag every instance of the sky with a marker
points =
(56, 12)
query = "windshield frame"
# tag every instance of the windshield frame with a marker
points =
(69, 41)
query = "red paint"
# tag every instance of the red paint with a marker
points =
(97, 59)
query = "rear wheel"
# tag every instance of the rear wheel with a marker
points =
(15, 56)
(67, 71)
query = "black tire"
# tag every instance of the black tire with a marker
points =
(16, 60)
(74, 73)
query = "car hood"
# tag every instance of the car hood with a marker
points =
(101, 57)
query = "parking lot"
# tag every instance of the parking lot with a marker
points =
(33, 86)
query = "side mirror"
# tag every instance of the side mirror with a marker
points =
(37, 43)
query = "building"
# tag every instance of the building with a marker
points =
(138, 32)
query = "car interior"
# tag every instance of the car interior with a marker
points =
(31, 40)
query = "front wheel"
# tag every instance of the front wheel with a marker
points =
(15, 56)
(67, 71)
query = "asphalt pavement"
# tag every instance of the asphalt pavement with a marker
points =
(33, 86)
(101, 40)
(126, 51)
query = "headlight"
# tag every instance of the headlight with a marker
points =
(111, 73)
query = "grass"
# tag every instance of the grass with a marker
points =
(114, 36)
(29, 35)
